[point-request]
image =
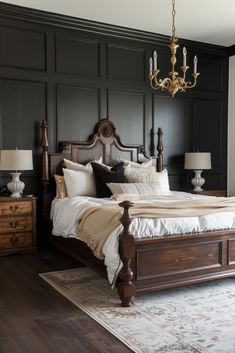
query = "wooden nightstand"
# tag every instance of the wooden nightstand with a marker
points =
(17, 225)
(218, 193)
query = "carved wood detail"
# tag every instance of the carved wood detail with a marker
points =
(125, 287)
(44, 144)
(45, 170)
(159, 150)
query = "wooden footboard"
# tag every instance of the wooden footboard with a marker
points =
(171, 261)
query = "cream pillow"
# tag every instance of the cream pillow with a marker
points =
(79, 183)
(85, 185)
(148, 163)
(80, 167)
(146, 175)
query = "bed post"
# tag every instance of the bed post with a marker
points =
(159, 150)
(45, 169)
(126, 288)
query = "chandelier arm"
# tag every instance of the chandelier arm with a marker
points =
(165, 83)
(184, 68)
(161, 83)
(189, 84)
(154, 85)
(153, 79)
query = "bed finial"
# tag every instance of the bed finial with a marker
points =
(45, 168)
(159, 150)
(44, 144)
(126, 288)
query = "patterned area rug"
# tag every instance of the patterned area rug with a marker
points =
(194, 319)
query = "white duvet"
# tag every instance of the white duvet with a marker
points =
(65, 212)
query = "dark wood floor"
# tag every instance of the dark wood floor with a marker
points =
(34, 318)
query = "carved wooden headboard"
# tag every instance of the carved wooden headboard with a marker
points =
(103, 142)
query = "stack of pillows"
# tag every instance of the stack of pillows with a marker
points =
(98, 180)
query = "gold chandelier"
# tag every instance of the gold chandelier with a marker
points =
(174, 83)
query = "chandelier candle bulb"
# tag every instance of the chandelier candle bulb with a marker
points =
(184, 56)
(150, 66)
(195, 64)
(155, 60)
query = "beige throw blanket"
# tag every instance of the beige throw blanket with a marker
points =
(97, 223)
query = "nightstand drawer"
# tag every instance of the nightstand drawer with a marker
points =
(15, 208)
(16, 240)
(15, 224)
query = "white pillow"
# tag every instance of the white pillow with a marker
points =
(136, 188)
(146, 175)
(79, 183)
(145, 164)
(81, 167)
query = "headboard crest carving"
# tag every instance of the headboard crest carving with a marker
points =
(105, 128)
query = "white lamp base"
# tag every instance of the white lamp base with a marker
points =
(16, 186)
(198, 181)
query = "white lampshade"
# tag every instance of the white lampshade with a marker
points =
(16, 160)
(197, 160)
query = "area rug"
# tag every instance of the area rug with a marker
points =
(193, 319)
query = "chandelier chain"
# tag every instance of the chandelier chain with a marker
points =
(173, 18)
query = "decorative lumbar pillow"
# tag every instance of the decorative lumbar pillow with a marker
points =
(79, 183)
(105, 175)
(61, 187)
(137, 197)
(80, 167)
(145, 175)
(135, 188)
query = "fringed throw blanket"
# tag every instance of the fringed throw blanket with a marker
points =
(97, 223)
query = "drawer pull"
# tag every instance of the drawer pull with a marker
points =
(14, 224)
(14, 240)
(14, 208)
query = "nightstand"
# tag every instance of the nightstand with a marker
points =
(17, 225)
(218, 193)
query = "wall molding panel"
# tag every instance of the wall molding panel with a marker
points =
(22, 48)
(125, 63)
(77, 111)
(77, 56)
(76, 72)
(127, 110)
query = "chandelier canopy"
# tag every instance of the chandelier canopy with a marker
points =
(173, 83)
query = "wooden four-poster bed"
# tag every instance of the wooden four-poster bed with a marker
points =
(149, 264)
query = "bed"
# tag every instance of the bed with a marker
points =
(149, 264)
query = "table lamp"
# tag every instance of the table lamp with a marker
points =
(16, 160)
(197, 161)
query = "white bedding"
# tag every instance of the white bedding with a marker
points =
(65, 212)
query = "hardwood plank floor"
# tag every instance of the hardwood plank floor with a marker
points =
(34, 318)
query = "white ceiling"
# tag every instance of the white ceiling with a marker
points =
(211, 21)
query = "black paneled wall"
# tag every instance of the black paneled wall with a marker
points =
(75, 72)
